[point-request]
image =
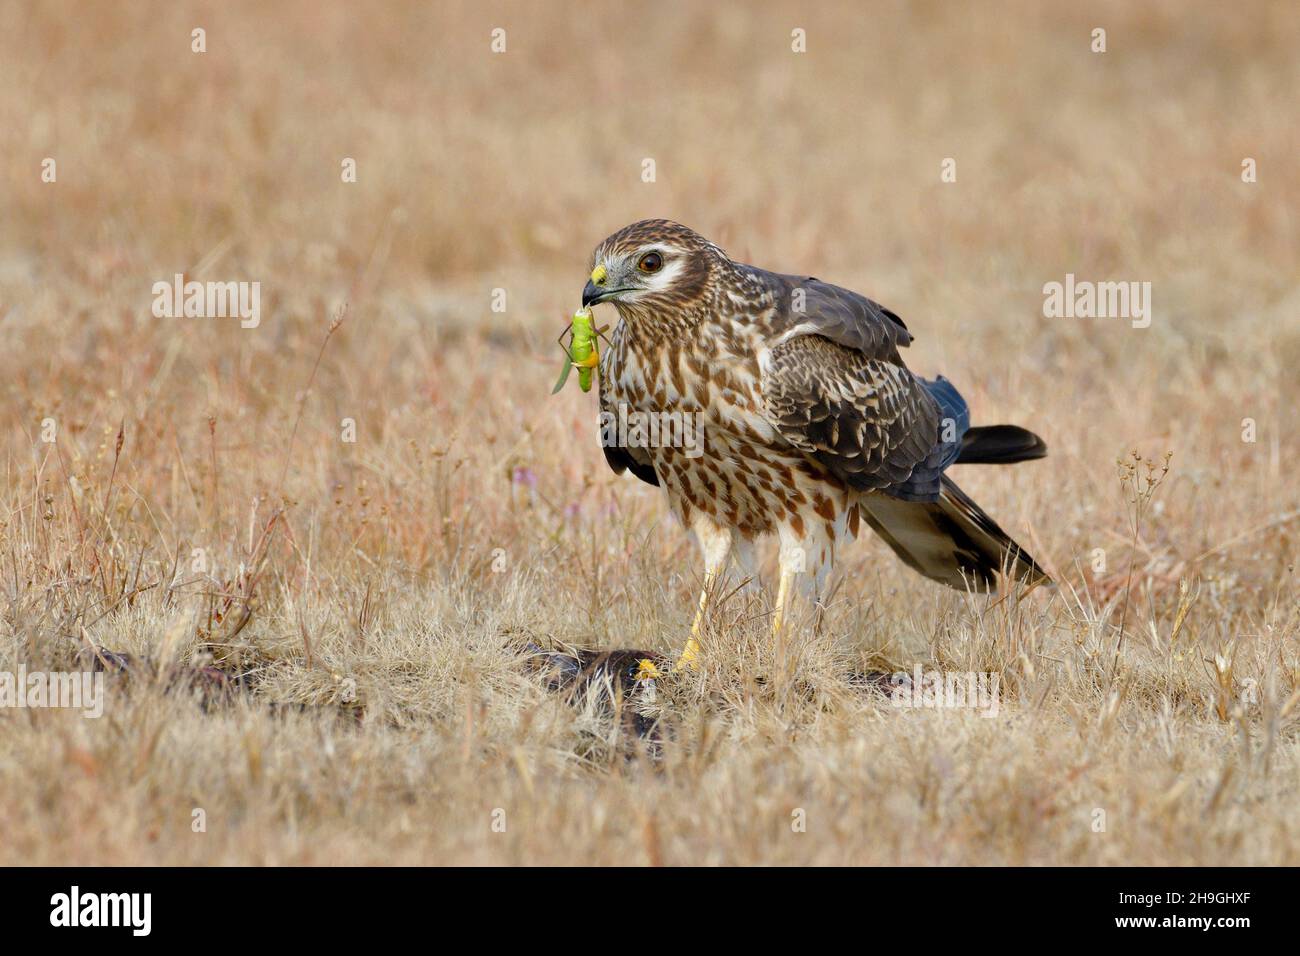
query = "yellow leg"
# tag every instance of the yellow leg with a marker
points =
(782, 598)
(792, 562)
(715, 542)
(691, 652)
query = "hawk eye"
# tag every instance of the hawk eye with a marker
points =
(651, 262)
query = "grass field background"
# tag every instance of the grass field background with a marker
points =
(379, 591)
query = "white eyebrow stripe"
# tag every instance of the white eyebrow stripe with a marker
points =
(666, 248)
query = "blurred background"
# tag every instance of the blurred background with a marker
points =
(479, 170)
(485, 177)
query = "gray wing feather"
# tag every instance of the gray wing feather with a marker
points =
(868, 421)
(808, 305)
(836, 387)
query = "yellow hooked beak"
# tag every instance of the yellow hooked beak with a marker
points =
(594, 289)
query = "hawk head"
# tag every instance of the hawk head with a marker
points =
(652, 266)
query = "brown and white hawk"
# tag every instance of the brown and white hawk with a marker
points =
(810, 418)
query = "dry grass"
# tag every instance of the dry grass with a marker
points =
(370, 565)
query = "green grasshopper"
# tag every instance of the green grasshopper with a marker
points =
(583, 350)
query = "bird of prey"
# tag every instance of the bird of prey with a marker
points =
(811, 421)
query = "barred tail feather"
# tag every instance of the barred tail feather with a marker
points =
(951, 540)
